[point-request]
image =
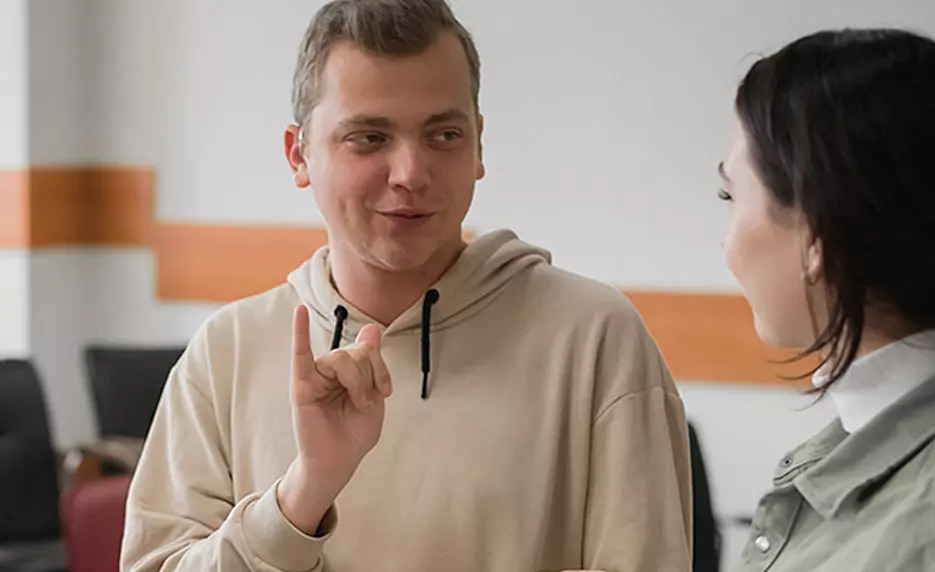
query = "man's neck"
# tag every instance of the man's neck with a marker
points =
(385, 294)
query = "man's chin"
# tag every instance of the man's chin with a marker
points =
(393, 257)
(403, 252)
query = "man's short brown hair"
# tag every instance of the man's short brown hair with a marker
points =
(383, 27)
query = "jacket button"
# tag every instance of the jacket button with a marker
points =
(762, 543)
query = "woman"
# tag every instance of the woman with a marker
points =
(830, 178)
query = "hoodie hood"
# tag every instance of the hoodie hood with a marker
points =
(483, 269)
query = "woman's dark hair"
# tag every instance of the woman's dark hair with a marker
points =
(841, 126)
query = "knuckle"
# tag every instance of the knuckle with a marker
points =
(340, 359)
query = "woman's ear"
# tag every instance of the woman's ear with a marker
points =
(813, 261)
(294, 144)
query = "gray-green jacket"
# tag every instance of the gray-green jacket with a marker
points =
(854, 503)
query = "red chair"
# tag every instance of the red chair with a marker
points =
(92, 520)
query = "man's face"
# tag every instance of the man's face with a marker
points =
(392, 152)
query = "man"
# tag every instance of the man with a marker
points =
(494, 413)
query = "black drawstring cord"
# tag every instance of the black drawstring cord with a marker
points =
(340, 314)
(431, 297)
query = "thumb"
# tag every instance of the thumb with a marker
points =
(370, 335)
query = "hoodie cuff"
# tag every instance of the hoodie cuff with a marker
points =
(277, 541)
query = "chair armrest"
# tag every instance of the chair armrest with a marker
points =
(89, 461)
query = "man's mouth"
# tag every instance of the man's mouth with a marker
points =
(406, 213)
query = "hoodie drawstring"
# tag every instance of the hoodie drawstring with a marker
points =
(431, 297)
(340, 315)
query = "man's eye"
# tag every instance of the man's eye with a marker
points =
(447, 136)
(373, 139)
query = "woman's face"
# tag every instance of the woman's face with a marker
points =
(770, 251)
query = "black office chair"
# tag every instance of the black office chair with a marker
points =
(126, 384)
(707, 536)
(29, 493)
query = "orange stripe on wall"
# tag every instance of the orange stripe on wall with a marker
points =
(711, 337)
(14, 209)
(68, 206)
(90, 205)
(224, 263)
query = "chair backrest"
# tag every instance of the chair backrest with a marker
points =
(126, 384)
(707, 537)
(28, 475)
(22, 403)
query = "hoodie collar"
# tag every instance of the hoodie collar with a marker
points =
(484, 268)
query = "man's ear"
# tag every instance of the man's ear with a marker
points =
(294, 144)
(481, 170)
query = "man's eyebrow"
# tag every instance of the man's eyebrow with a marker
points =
(448, 115)
(367, 121)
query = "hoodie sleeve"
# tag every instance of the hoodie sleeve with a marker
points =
(181, 514)
(638, 516)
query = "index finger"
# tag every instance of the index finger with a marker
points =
(303, 359)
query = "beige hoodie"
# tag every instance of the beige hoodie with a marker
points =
(552, 436)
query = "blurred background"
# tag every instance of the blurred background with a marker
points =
(143, 184)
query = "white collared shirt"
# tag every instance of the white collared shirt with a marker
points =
(881, 378)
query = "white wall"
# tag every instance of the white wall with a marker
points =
(14, 264)
(205, 99)
(63, 309)
(59, 95)
(14, 306)
(605, 121)
(125, 286)
(614, 114)
(13, 103)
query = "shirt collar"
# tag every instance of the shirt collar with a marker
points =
(881, 378)
(870, 455)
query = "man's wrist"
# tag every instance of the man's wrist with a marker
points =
(305, 496)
